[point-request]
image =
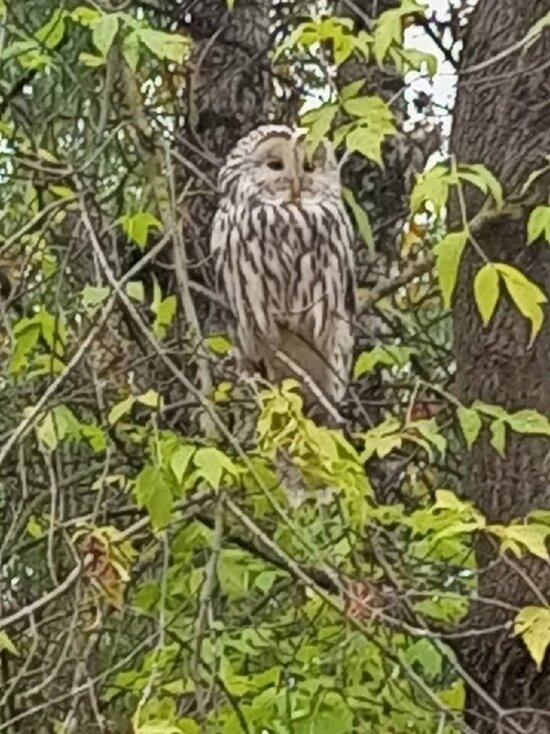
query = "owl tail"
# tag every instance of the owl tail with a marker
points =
(296, 358)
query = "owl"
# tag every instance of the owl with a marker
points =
(282, 245)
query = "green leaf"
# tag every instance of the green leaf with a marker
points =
(532, 624)
(66, 418)
(189, 726)
(219, 344)
(427, 656)
(93, 297)
(64, 192)
(371, 107)
(85, 15)
(158, 727)
(498, 437)
(160, 506)
(432, 186)
(153, 493)
(120, 409)
(388, 30)
(50, 431)
(265, 580)
(443, 608)
(407, 59)
(486, 291)
(56, 425)
(165, 313)
(145, 483)
(151, 399)
(481, 177)
(430, 431)
(130, 50)
(366, 141)
(134, 290)
(389, 355)
(45, 364)
(179, 461)
(447, 500)
(234, 567)
(137, 226)
(528, 421)
(495, 411)
(375, 122)
(7, 644)
(53, 330)
(91, 60)
(332, 29)
(104, 30)
(351, 90)
(34, 529)
(448, 255)
(211, 463)
(318, 122)
(361, 218)
(53, 31)
(470, 423)
(526, 295)
(533, 537)
(27, 334)
(539, 224)
(170, 46)
(336, 31)
(382, 439)
(222, 392)
(95, 436)
(514, 278)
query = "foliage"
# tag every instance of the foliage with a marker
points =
(181, 553)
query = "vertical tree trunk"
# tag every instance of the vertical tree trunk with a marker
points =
(501, 119)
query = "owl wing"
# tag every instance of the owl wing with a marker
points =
(239, 277)
(323, 300)
(347, 307)
(336, 338)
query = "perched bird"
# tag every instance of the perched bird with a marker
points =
(282, 243)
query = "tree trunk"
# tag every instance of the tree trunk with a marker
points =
(501, 119)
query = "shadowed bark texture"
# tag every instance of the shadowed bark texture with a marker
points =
(502, 120)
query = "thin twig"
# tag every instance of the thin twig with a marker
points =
(205, 606)
(32, 608)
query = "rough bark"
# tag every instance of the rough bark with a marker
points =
(501, 120)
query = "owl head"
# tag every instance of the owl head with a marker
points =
(272, 165)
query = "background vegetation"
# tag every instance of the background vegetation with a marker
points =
(181, 549)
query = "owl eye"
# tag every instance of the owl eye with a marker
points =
(275, 165)
(308, 167)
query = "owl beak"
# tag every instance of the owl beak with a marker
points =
(295, 191)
